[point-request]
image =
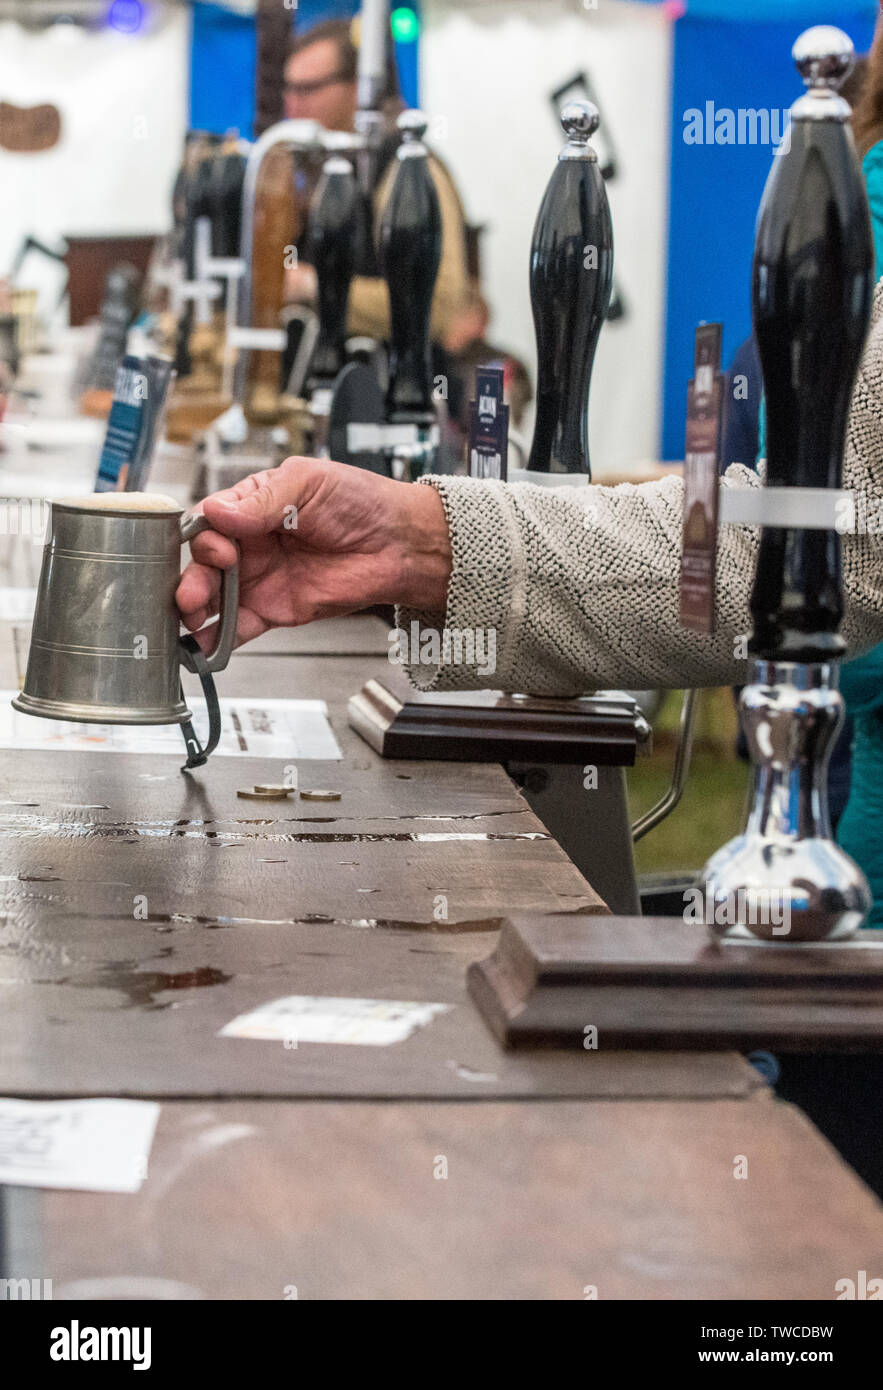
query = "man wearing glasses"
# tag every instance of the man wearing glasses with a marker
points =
(321, 85)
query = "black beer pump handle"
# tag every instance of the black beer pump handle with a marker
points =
(200, 202)
(571, 275)
(228, 178)
(811, 298)
(225, 200)
(409, 254)
(333, 245)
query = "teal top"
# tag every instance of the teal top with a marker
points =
(860, 831)
(872, 168)
(862, 680)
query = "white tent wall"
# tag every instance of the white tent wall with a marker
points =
(487, 72)
(123, 100)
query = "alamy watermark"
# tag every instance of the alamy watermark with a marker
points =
(25, 516)
(77, 1343)
(426, 646)
(747, 125)
(754, 907)
(25, 1290)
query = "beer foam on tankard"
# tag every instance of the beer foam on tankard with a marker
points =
(121, 502)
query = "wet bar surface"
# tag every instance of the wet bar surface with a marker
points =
(241, 902)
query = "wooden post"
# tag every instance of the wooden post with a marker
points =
(275, 24)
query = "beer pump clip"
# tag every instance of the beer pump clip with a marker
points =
(395, 430)
(784, 879)
(119, 307)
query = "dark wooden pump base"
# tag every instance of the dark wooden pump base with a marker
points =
(568, 756)
(662, 982)
(487, 727)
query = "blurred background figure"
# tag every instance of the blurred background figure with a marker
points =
(321, 78)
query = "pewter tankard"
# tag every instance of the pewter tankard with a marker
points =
(106, 645)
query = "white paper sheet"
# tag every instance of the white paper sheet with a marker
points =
(93, 1145)
(315, 1019)
(17, 605)
(23, 478)
(251, 728)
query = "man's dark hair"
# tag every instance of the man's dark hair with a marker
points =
(339, 31)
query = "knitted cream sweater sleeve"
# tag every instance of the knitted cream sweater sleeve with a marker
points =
(578, 588)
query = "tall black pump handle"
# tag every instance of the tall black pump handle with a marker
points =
(409, 251)
(333, 245)
(571, 276)
(811, 298)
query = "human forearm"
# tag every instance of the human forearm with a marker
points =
(580, 589)
(581, 586)
(577, 586)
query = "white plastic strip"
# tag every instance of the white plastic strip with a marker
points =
(371, 438)
(227, 267)
(321, 401)
(258, 339)
(806, 508)
(526, 475)
(200, 290)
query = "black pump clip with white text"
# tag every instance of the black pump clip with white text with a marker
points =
(705, 396)
(488, 445)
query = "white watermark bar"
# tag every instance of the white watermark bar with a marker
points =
(258, 339)
(808, 508)
(370, 438)
(227, 267)
(528, 475)
(199, 289)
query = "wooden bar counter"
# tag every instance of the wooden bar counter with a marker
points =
(319, 1168)
(552, 1199)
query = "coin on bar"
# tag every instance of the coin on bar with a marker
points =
(317, 795)
(278, 788)
(263, 794)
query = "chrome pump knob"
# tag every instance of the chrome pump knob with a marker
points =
(824, 57)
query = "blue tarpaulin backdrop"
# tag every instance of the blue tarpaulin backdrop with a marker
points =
(223, 56)
(741, 61)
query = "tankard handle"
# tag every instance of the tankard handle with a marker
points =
(217, 659)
